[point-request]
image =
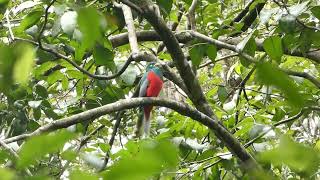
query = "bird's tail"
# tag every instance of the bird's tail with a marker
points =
(144, 121)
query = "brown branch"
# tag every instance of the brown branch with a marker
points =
(74, 64)
(220, 59)
(182, 37)
(305, 75)
(111, 141)
(191, 16)
(181, 108)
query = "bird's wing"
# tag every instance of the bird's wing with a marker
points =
(144, 83)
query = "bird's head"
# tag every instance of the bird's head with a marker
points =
(153, 66)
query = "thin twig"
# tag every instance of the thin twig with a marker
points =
(45, 22)
(9, 25)
(66, 58)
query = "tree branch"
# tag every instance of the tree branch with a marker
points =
(45, 22)
(131, 29)
(183, 37)
(191, 16)
(74, 64)
(182, 108)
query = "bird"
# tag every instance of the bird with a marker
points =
(151, 84)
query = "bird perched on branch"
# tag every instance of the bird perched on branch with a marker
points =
(150, 86)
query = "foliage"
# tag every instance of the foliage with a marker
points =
(42, 50)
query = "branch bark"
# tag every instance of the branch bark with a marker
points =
(182, 37)
(182, 108)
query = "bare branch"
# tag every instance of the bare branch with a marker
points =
(183, 37)
(131, 29)
(9, 25)
(111, 141)
(305, 75)
(191, 16)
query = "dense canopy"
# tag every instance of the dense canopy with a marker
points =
(241, 95)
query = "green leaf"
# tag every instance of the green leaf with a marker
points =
(196, 54)
(166, 5)
(316, 11)
(7, 60)
(212, 52)
(222, 94)
(89, 25)
(151, 158)
(273, 47)
(271, 75)
(249, 48)
(54, 77)
(24, 63)
(30, 19)
(288, 23)
(74, 74)
(40, 70)
(81, 175)
(278, 115)
(298, 157)
(41, 91)
(6, 174)
(129, 76)
(69, 155)
(36, 147)
(104, 56)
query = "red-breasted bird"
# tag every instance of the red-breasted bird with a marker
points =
(150, 86)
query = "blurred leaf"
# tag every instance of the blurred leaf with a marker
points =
(7, 60)
(222, 94)
(165, 5)
(129, 76)
(316, 11)
(271, 75)
(298, 157)
(152, 158)
(30, 19)
(54, 77)
(212, 52)
(6, 174)
(81, 175)
(69, 155)
(278, 115)
(41, 91)
(24, 63)
(89, 25)
(38, 146)
(104, 56)
(288, 23)
(196, 54)
(249, 48)
(273, 48)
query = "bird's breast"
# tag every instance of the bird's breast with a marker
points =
(155, 85)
